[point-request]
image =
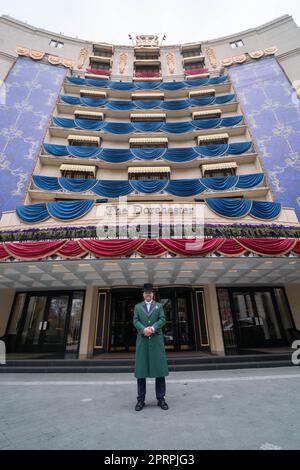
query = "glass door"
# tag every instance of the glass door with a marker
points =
(257, 321)
(45, 322)
(31, 332)
(123, 333)
(178, 331)
(53, 335)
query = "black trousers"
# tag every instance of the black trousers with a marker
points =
(160, 388)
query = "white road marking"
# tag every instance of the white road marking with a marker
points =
(268, 446)
(171, 381)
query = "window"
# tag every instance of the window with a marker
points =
(147, 55)
(216, 173)
(149, 176)
(100, 65)
(237, 44)
(77, 175)
(141, 173)
(148, 117)
(56, 44)
(78, 171)
(192, 52)
(147, 68)
(148, 143)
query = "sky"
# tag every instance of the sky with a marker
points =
(179, 20)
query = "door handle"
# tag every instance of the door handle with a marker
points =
(41, 326)
(45, 326)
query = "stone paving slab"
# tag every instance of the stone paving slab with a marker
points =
(240, 409)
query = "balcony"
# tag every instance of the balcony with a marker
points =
(101, 59)
(103, 49)
(187, 138)
(193, 59)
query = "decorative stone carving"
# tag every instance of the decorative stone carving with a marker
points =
(82, 57)
(147, 40)
(257, 54)
(69, 64)
(271, 50)
(212, 57)
(37, 55)
(23, 51)
(171, 62)
(227, 62)
(239, 59)
(54, 60)
(123, 57)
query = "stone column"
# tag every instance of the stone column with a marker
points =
(6, 301)
(213, 320)
(88, 323)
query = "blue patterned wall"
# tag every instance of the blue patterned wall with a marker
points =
(273, 114)
(26, 102)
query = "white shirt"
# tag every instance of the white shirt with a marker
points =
(148, 304)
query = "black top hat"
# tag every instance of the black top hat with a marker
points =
(148, 287)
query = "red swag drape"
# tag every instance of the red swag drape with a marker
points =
(194, 247)
(149, 247)
(99, 71)
(231, 247)
(34, 250)
(111, 248)
(195, 71)
(72, 249)
(267, 246)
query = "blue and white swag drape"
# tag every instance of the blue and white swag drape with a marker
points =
(118, 188)
(72, 210)
(131, 86)
(132, 127)
(176, 155)
(128, 105)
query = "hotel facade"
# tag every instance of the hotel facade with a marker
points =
(176, 165)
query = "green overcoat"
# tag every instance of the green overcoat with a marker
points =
(150, 358)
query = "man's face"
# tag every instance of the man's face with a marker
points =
(148, 296)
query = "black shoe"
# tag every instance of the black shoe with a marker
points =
(139, 406)
(162, 403)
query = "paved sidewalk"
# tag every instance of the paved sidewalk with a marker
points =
(246, 409)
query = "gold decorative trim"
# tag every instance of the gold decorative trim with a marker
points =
(22, 51)
(227, 62)
(123, 58)
(82, 57)
(36, 55)
(255, 55)
(171, 62)
(212, 57)
(54, 60)
(69, 64)
(239, 59)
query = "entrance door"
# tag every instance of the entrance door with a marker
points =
(178, 331)
(123, 333)
(44, 323)
(257, 321)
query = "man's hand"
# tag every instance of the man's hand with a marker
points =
(148, 331)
